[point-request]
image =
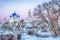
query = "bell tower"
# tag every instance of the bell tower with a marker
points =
(29, 14)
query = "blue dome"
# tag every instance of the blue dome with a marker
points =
(14, 14)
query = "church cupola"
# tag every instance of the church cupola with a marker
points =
(14, 15)
(14, 18)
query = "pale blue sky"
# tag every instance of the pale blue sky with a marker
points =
(21, 7)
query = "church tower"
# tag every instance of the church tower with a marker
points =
(29, 14)
(28, 21)
(14, 18)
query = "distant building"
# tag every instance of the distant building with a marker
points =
(11, 28)
(28, 20)
(14, 18)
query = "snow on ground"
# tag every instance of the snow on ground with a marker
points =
(32, 37)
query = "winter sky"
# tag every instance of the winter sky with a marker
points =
(21, 7)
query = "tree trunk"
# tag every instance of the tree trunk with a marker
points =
(55, 34)
(19, 37)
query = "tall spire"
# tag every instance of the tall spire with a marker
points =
(29, 13)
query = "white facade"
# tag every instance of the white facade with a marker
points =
(14, 18)
(28, 20)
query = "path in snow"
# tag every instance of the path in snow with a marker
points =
(32, 37)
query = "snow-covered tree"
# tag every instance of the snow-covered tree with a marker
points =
(49, 12)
